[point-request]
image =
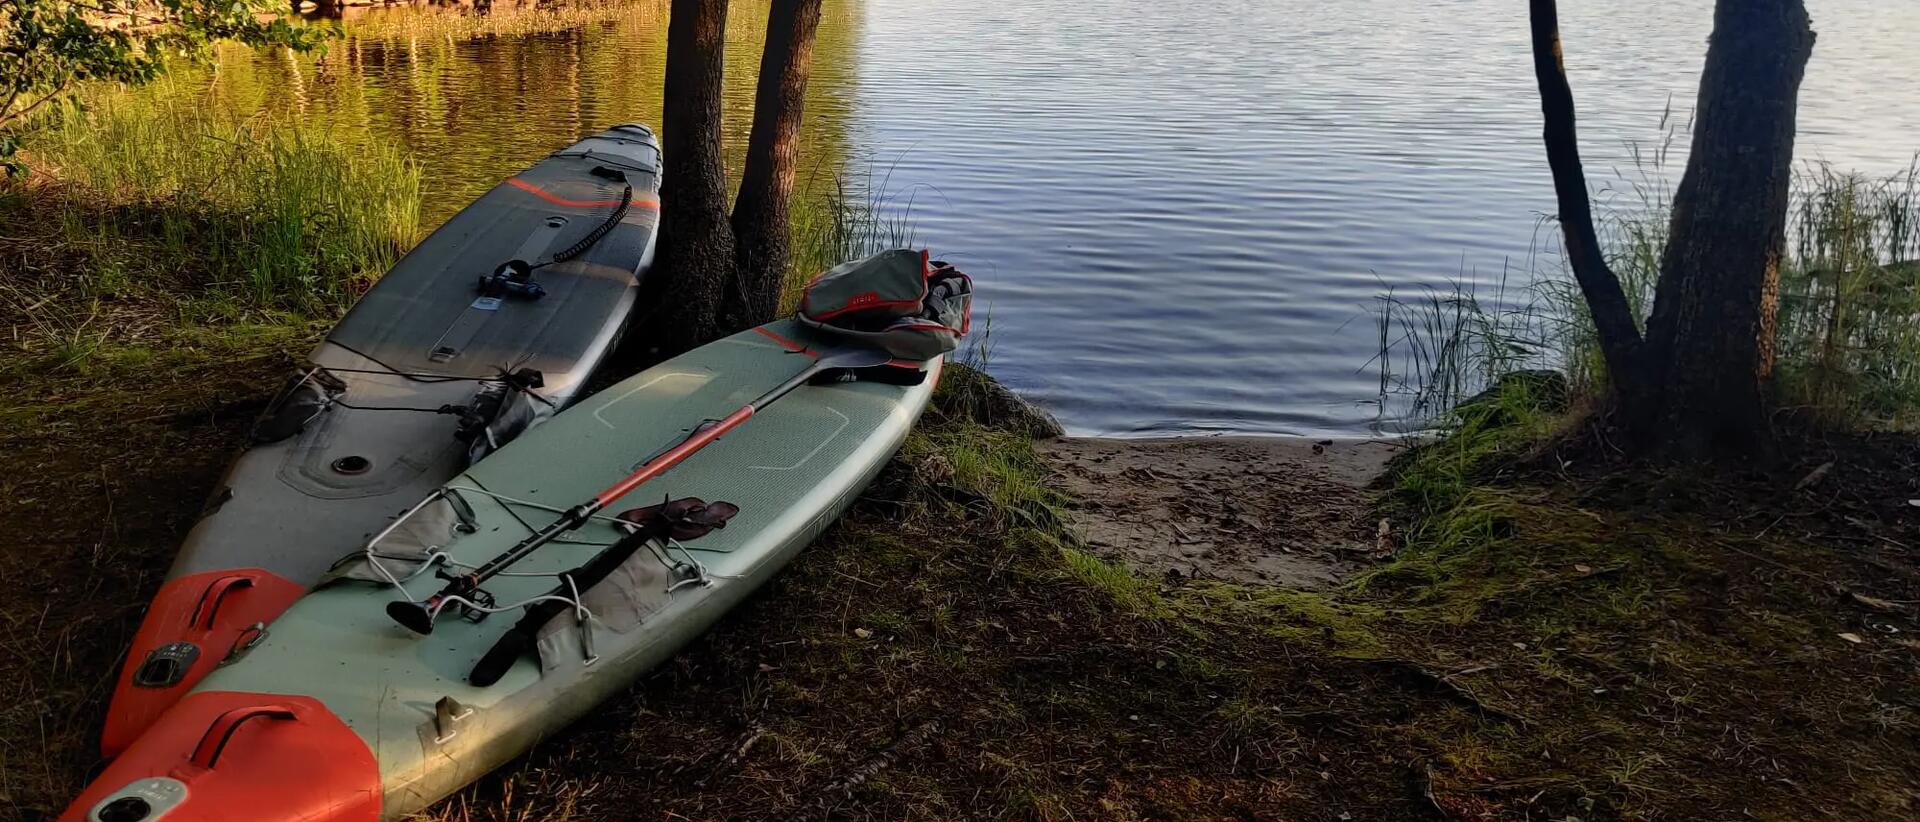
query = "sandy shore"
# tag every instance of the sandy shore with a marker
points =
(1278, 510)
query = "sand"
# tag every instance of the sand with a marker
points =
(1282, 511)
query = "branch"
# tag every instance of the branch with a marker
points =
(8, 116)
(1612, 314)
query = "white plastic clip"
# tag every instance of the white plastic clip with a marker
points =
(446, 714)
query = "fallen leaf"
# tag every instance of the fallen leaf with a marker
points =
(1813, 476)
(1875, 603)
(1852, 637)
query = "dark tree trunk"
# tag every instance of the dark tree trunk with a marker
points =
(1613, 319)
(760, 212)
(1713, 316)
(1697, 385)
(695, 260)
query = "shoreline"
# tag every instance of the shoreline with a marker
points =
(1272, 510)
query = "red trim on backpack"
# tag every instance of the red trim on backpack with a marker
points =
(927, 326)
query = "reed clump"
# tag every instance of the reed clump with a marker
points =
(502, 18)
(1847, 347)
(142, 191)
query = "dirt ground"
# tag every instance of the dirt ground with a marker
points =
(1283, 511)
(1579, 639)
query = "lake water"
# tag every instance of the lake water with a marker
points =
(1179, 215)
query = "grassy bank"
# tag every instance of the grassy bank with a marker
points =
(148, 196)
(1847, 348)
(504, 19)
(1645, 642)
(1543, 646)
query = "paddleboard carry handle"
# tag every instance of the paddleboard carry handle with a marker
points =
(215, 594)
(419, 616)
(221, 730)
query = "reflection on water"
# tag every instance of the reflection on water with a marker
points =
(1178, 213)
(1182, 212)
(476, 109)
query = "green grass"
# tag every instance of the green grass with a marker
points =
(149, 190)
(1847, 348)
(839, 217)
(504, 19)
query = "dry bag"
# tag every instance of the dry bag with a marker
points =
(899, 300)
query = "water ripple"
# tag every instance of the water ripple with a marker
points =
(1182, 213)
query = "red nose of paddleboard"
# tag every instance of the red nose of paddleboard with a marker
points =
(195, 621)
(224, 756)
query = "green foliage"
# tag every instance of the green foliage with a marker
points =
(1133, 594)
(48, 48)
(845, 219)
(1846, 346)
(163, 190)
(1849, 348)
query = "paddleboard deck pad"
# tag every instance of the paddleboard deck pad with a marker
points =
(339, 713)
(432, 368)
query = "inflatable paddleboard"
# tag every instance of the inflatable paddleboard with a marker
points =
(339, 713)
(485, 329)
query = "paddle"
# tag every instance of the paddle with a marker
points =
(683, 519)
(419, 616)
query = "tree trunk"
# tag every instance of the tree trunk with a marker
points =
(1613, 320)
(695, 259)
(1696, 386)
(760, 212)
(1714, 308)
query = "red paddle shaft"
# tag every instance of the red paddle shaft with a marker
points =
(701, 437)
(419, 616)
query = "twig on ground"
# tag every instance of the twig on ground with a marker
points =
(1445, 686)
(844, 787)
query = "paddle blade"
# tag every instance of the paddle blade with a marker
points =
(850, 357)
(411, 615)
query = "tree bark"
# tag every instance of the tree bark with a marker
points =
(1697, 384)
(1613, 320)
(695, 259)
(760, 211)
(1714, 307)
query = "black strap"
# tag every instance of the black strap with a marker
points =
(619, 212)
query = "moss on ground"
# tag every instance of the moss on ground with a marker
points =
(1550, 642)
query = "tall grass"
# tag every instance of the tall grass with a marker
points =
(838, 217)
(163, 189)
(1441, 347)
(1848, 332)
(503, 18)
